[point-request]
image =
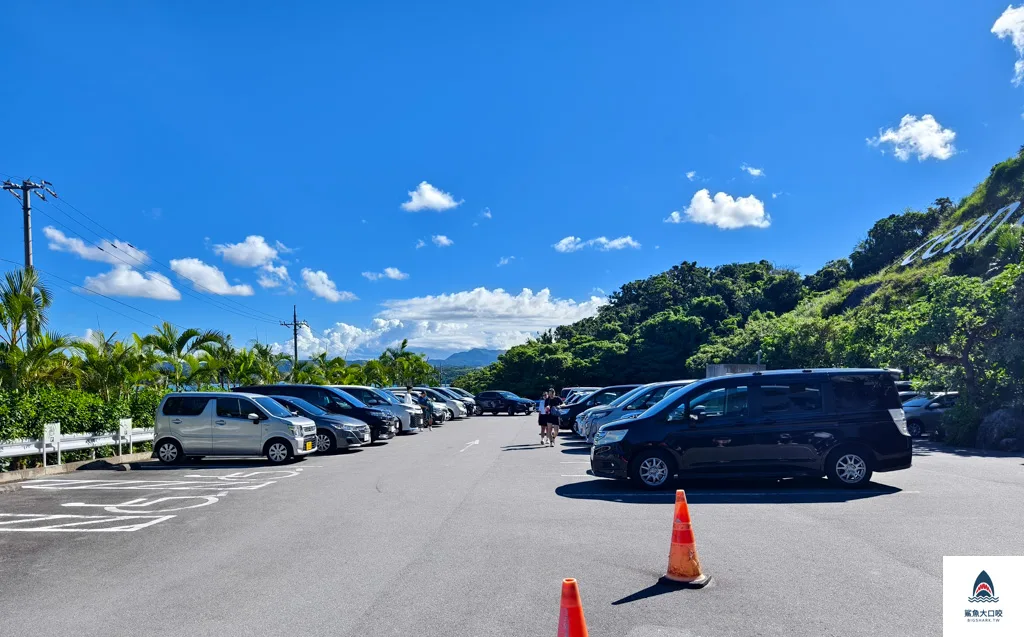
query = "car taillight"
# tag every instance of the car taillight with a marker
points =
(900, 420)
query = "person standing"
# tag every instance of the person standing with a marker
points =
(551, 405)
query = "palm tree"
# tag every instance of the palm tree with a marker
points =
(27, 354)
(108, 367)
(174, 345)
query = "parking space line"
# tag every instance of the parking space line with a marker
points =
(73, 523)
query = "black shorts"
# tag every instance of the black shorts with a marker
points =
(547, 419)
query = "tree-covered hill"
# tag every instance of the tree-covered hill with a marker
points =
(954, 320)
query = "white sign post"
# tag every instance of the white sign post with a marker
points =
(51, 436)
(124, 430)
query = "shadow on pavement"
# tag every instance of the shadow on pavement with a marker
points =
(574, 443)
(231, 463)
(651, 591)
(790, 491)
(931, 448)
(579, 451)
(535, 445)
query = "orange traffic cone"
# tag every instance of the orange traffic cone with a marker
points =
(683, 563)
(570, 617)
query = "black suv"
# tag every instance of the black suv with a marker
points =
(843, 423)
(383, 424)
(503, 401)
(567, 414)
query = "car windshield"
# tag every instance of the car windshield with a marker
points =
(447, 392)
(273, 407)
(508, 394)
(386, 396)
(307, 407)
(917, 402)
(349, 398)
(675, 397)
(623, 399)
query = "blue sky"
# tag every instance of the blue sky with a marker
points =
(183, 126)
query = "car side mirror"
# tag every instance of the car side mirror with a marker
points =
(677, 414)
(254, 417)
(294, 413)
(932, 406)
(698, 414)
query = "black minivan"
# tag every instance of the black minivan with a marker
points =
(383, 424)
(843, 423)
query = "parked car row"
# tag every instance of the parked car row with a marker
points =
(283, 422)
(845, 424)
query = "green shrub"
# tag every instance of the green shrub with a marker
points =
(960, 423)
(23, 413)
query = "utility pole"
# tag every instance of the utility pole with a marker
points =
(27, 188)
(295, 324)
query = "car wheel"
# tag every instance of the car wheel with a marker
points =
(914, 428)
(652, 470)
(278, 451)
(849, 467)
(325, 442)
(169, 452)
(511, 410)
(494, 413)
(450, 414)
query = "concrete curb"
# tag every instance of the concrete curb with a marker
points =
(113, 463)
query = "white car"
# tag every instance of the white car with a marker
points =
(410, 419)
(456, 408)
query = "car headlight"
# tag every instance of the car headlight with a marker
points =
(562, 412)
(608, 437)
(297, 431)
(379, 413)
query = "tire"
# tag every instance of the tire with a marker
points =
(451, 414)
(494, 413)
(278, 451)
(915, 428)
(849, 467)
(511, 410)
(169, 452)
(325, 441)
(652, 470)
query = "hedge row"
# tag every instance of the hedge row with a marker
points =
(23, 413)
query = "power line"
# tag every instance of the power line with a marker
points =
(139, 263)
(272, 317)
(88, 298)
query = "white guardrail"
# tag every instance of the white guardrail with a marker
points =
(53, 442)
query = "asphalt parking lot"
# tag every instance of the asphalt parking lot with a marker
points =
(467, 530)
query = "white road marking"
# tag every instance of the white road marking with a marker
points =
(75, 523)
(468, 445)
(139, 504)
(128, 485)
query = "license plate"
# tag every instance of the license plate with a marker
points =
(309, 445)
(366, 437)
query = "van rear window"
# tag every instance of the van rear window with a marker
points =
(185, 405)
(857, 392)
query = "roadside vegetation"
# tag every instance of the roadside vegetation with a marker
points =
(88, 385)
(953, 322)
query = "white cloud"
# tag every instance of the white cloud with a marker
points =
(388, 273)
(753, 172)
(420, 243)
(253, 252)
(426, 197)
(274, 276)
(723, 211)
(505, 261)
(1011, 25)
(691, 175)
(321, 285)
(604, 244)
(486, 213)
(112, 252)
(569, 244)
(922, 137)
(124, 281)
(449, 322)
(208, 278)
(775, 195)
(441, 241)
(282, 248)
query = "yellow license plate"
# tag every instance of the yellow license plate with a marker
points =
(309, 445)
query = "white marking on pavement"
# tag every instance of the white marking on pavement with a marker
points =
(468, 445)
(74, 523)
(139, 503)
(169, 485)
